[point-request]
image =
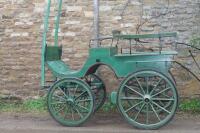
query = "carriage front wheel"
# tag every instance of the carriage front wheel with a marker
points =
(143, 99)
(70, 102)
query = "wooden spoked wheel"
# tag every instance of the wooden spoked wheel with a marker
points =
(147, 99)
(70, 102)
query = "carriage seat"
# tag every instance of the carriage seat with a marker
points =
(55, 64)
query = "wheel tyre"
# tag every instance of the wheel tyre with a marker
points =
(70, 102)
(129, 113)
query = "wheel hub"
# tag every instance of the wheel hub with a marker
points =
(147, 98)
(70, 101)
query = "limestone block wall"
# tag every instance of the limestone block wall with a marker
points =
(21, 27)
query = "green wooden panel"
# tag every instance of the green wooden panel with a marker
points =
(99, 52)
(53, 53)
(113, 97)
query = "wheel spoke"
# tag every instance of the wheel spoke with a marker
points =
(58, 111)
(79, 113)
(80, 95)
(83, 107)
(155, 112)
(69, 92)
(72, 114)
(165, 95)
(162, 104)
(55, 95)
(57, 103)
(140, 85)
(131, 98)
(163, 99)
(66, 112)
(155, 86)
(84, 100)
(147, 113)
(133, 90)
(139, 112)
(75, 90)
(63, 92)
(161, 92)
(133, 106)
(161, 107)
(147, 84)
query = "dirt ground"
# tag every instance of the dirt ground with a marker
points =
(43, 123)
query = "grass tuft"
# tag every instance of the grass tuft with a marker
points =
(108, 107)
(190, 105)
(39, 106)
(28, 106)
(35, 105)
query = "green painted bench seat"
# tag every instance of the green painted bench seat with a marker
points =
(59, 68)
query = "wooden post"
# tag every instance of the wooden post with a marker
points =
(96, 23)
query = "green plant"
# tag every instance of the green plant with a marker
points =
(190, 105)
(109, 107)
(39, 106)
(30, 105)
(36, 105)
(10, 107)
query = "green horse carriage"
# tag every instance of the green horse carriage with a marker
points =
(147, 97)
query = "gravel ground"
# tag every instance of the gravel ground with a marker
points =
(99, 123)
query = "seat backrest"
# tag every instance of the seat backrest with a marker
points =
(53, 53)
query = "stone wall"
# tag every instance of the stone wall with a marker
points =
(21, 33)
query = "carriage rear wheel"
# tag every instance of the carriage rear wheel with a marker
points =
(98, 88)
(153, 98)
(70, 102)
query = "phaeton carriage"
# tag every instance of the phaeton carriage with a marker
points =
(147, 97)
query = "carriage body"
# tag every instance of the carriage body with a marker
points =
(121, 64)
(147, 96)
(151, 66)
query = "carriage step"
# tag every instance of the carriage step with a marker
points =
(113, 97)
